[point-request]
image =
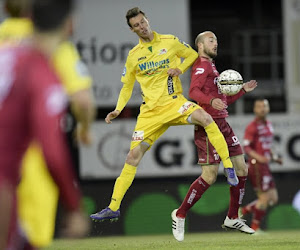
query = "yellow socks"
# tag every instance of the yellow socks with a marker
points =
(217, 139)
(122, 184)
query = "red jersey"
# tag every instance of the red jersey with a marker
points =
(259, 137)
(204, 87)
(31, 105)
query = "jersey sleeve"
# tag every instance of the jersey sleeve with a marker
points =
(185, 51)
(232, 99)
(128, 79)
(71, 70)
(249, 137)
(199, 75)
(46, 106)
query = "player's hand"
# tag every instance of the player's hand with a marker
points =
(249, 86)
(218, 104)
(174, 72)
(76, 225)
(112, 115)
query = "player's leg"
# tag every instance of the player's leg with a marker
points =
(196, 190)
(216, 138)
(37, 196)
(265, 199)
(122, 184)
(127, 175)
(148, 129)
(232, 219)
(202, 118)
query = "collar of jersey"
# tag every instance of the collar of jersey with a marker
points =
(156, 38)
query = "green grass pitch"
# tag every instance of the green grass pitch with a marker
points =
(219, 240)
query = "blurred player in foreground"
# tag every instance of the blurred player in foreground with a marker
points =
(156, 64)
(37, 192)
(258, 141)
(32, 101)
(204, 90)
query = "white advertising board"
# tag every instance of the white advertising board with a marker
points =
(174, 153)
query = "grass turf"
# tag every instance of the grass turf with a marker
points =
(219, 240)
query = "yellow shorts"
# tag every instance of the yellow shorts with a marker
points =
(152, 124)
(37, 196)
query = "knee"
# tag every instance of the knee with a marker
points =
(241, 170)
(202, 118)
(210, 177)
(132, 158)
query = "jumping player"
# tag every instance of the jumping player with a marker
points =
(156, 64)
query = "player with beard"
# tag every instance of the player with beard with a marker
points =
(205, 92)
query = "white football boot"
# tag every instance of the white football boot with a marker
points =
(238, 224)
(177, 226)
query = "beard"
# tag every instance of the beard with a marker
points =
(211, 54)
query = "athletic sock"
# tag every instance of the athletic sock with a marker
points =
(122, 184)
(198, 187)
(249, 208)
(236, 197)
(217, 139)
(258, 215)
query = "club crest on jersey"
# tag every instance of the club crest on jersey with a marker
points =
(185, 107)
(199, 71)
(138, 135)
(162, 51)
(124, 71)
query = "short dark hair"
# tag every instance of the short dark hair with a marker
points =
(17, 8)
(49, 15)
(133, 13)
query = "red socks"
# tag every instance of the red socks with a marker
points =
(198, 187)
(236, 197)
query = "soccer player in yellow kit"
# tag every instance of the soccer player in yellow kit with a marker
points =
(156, 64)
(37, 193)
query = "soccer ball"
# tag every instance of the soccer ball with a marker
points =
(230, 82)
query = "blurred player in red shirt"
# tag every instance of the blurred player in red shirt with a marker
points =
(32, 102)
(204, 90)
(258, 141)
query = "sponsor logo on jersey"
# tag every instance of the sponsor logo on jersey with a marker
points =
(152, 68)
(185, 107)
(162, 51)
(141, 58)
(199, 71)
(138, 135)
(124, 71)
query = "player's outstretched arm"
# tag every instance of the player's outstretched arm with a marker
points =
(249, 86)
(112, 115)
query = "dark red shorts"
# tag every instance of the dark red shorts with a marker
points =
(207, 155)
(260, 177)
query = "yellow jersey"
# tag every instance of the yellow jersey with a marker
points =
(148, 63)
(72, 72)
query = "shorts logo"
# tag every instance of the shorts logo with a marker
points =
(199, 71)
(185, 107)
(162, 51)
(124, 71)
(138, 135)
